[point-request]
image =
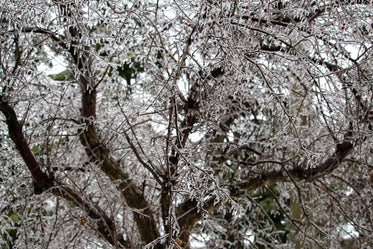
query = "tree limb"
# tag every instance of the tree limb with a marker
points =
(43, 182)
(90, 140)
(41, 179)
(100, 155)
(105, 225)
(188, 213)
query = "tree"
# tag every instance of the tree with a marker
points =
(236, 124)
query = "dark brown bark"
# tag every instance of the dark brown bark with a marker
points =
(99, 154)
(43, 182)
(105, 225)
(189, 215)
(296, 174)
(41, 179)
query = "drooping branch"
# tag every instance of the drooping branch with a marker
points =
(105, 225)
(43, 31)
(43, 182)
(188, 213)
(297, 174)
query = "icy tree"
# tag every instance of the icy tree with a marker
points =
(186, 124)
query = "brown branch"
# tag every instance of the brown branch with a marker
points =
(240, 148)
(188, 214)
(265, 21)
(99, 154)
(284, 21)
(105, 224)
(297, 174)
(154, 171)
(317, 13)
(41, 179)
(43, 31)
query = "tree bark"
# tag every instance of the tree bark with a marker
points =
(41, 179)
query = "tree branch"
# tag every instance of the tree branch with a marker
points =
(188, 213)
(43, 182)
(105, 225)
(100, 155)
(41, 179)
(297, 174)
(98, 152)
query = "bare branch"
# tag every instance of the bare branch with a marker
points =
(42, 180)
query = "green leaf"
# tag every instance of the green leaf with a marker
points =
(35, 148)
(65, 75)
